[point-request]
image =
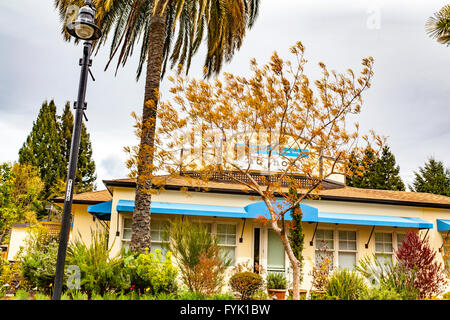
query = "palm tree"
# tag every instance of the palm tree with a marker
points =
(438, 26)
(154, 23)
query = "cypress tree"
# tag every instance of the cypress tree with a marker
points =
(296, 235)
(42, 148)
(85, 178)
(432, 178)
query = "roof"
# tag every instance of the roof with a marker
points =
(88, 197)
(345, 193)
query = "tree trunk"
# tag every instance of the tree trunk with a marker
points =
(140, 238)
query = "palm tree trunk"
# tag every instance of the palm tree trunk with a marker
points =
(140, 238)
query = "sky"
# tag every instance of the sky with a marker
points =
(409, 99)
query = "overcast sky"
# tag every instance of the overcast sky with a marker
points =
(409, 99)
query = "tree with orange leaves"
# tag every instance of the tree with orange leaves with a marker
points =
(266, 132)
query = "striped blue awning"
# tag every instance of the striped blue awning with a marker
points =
(443, 225)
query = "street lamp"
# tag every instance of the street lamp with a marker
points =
(83, 29)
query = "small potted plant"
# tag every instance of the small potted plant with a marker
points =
(276, 285)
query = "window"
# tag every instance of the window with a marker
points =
(383, 247)
(347, 249)
(324, 246)
(339, 246)
(159, 235)
(126, 233)
(400, 238)
(226, 236)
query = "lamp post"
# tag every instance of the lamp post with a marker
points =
(83, 29)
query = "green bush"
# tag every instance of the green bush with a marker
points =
(201, 261)
(446, 296)
(276, 280)
(38, 259)
(346, 285)
(388, 276)
(100, 273)
(21, 295)
(246, 284)
(151, 272)
(380, 294)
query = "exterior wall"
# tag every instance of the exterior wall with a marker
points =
(244, 251)
(18, 235)
(83, 224)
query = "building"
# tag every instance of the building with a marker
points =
(352, 222)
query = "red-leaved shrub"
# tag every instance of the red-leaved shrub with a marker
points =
(416, 255)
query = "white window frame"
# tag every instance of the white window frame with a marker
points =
(123, 240)
(336, 249)
(214, 224)
(393, 244)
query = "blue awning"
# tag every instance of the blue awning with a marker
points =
(443, 225)
(186, 209)
(309, 214)
(251, 211)
(102, 211)
(373, 220)
(254, 210)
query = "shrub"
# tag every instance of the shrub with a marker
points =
(10, 277)
(320, 274)
(381, 294)
(417, 256)
(199, 258)
(99, 273)
(388, 276)
(246, 284)
(276, 280)
(21, 295)
(346, 285)
(151, 273)
(38, 259)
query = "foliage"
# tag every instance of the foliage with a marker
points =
(10, 276)
(432, 178)
(198, 257)
(346, 285)
(47, 147)
(85, 176)
(416, 255)
(296, 235)
(21, 295)
(386, 275)
(276, 280)
(99, 272)
(278, 106)
(438, 26)
(38, 258)
(246, 284)
(375, 172)
(320, 274)
(377, 293)
(42, 147)
(446, 296)
(151, 272)
(20, 190)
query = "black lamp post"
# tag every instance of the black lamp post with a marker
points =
(83, 29)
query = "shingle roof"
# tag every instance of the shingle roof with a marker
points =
(88, 197)
(339, 194)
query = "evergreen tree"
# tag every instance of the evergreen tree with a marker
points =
(85, 178)
(42, 148)
(360, 168)
(432, 178)
(47, 147)
(384, 174)
(374, 172)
